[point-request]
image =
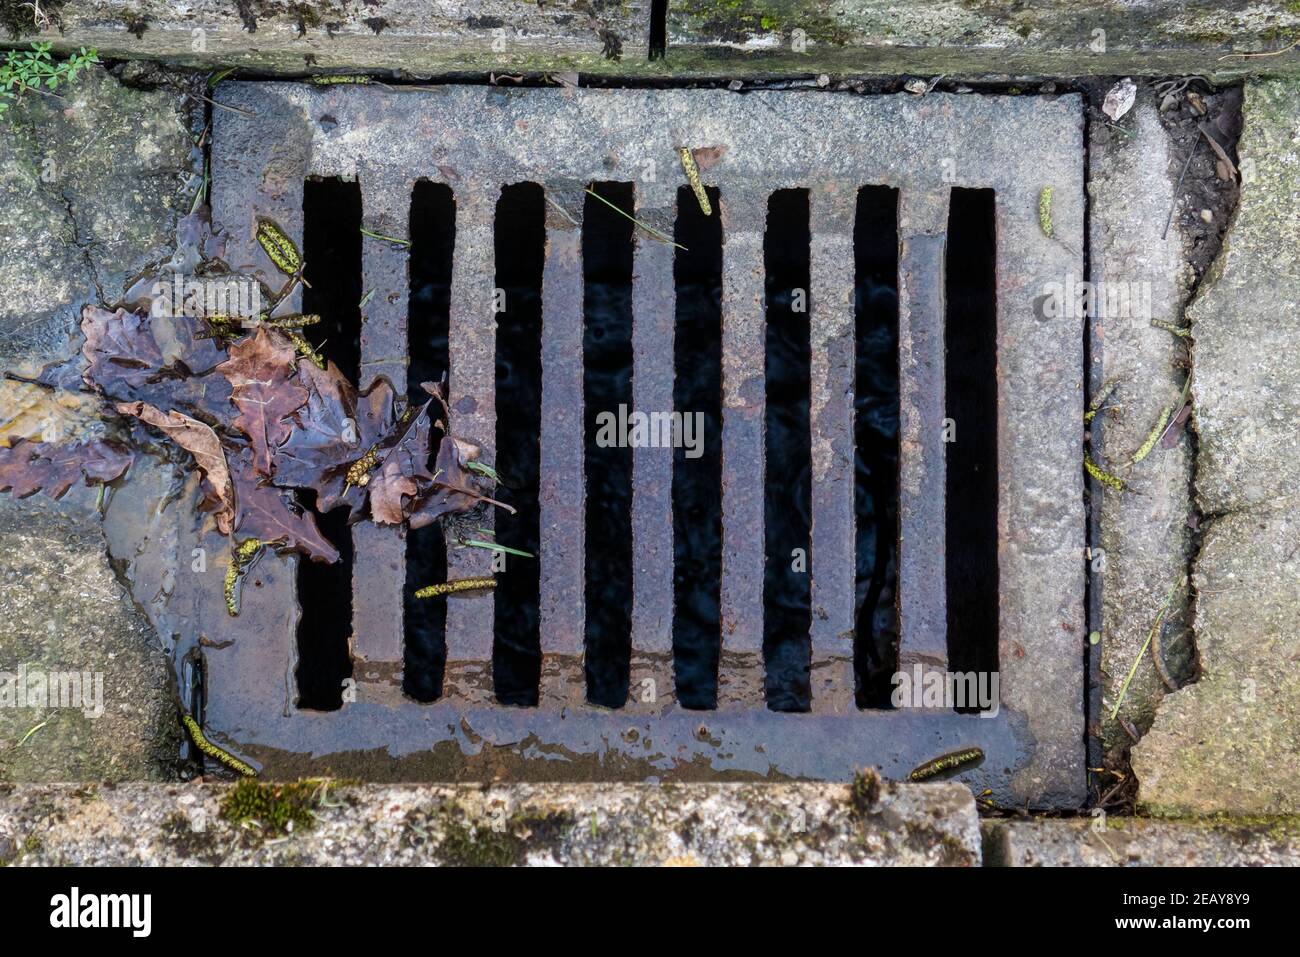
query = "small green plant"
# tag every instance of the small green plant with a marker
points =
(36, 70)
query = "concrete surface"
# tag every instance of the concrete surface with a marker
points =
(1232, 740)
(684, 826)
(1135, 842)
(90, 187)
(65, 612)
(1144, 538)
(704, 37)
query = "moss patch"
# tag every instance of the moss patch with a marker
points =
(274, 808)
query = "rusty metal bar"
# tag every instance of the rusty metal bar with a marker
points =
(744, 213)
(923, 615)
(472, 386)
(834, 551)
(653, 331)
(563, 480)
(379, 571)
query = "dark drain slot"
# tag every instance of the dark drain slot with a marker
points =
(331, 249)
(697, 479)
(433, 237)
(325, 628)
(658, 29)
(970, 338)
(875, 427)
(787, 487)
(520, 245)
(607, 386)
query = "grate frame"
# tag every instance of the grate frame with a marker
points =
(477, 139)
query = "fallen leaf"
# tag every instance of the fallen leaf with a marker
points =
(1175, 427)
(1120, 99)
(30, 467)
(454, 487)
(403, 472)
(271, 514)
(202, 443)
(330, 432)
(120, 349)
(125, 362)
(265, 389)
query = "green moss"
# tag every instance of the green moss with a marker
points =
(274, 808)
(864, 792)
(465, 845)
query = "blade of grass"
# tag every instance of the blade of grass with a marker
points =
(649, 229)
(483, 469)
(391, 239)
(1123, 689)
(493, 546)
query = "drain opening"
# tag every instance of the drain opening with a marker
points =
(875, 429)
(520, 242)
(331, 249)
(658, 29)
(697, 479)
(433, 238)
(607, 387)
(787, 484)
(970, 341)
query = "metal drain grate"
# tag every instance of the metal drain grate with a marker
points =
(476, 140)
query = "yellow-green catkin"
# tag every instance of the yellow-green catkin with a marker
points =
(1045, 211)
(294, 321)
(1153, 436)
(331, 79)
(1108, 479)
(305, 348)
(693, 177)
(359, 471)
(279, 247)
(240, 559)
(946, 762)
(214, 752)
(455, 586)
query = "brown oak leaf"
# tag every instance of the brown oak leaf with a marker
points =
(30, 467)
(334, 429)
(125, 362)
(202, 443)
(120, 349)
(271, 515)
(454, 487)
(403, 472)
(265, 389)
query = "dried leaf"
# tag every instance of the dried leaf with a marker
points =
(120, 349)
(404, 471)
(455, 488)
(202, 443)
(30, 467)
(265, 389)
(1120, 99)
(1175, 427)
(125, 362)
(331, 431)
(271, 515)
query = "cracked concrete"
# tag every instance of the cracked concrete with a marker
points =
(1144, 538)
(1232, 740)
(671, 825)
(91, 185)
(90, 188)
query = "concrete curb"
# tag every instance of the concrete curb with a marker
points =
(704, 37)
